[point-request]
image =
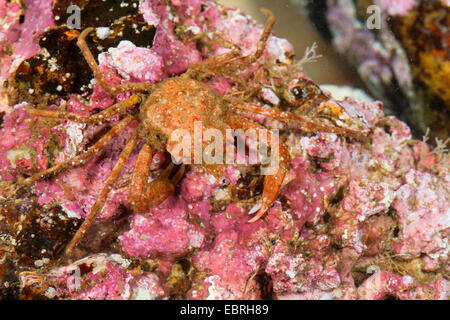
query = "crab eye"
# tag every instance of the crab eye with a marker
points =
(306, 90)
(297, 92)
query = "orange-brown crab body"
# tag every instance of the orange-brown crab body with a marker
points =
(181, 104)
(178, 104)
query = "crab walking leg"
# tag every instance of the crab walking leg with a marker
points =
(244, 62)
(272, 183)
(177, 176)
(287, 117)
(98, 75)
(81, 159)
(118, 108)
(109, 184)
(222, 42)
(230, 62)
(265, 35)
(211, 66)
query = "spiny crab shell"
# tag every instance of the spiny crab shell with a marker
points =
(179, 104)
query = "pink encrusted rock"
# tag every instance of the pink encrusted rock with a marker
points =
(385, 284)
(177, 55)
(364, 199)
(122, 285)
(367, 112)
(388, 153)
(308, 193)
(296, 276)
(232, 24)
(165, 232)
(397, 7)
(423, 208)
(375, 233)
(21, 37)
(134, 64)
(233, 262)
(236, 27)
(198, 186)
(334, 208)
(98, 277)
(389, 147)
(77, 189)
(20, 150)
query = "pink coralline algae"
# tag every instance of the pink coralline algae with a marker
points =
(166, 233)
(305, 275)
(130, 61)
(385, 284)
(85, 183)
(424, 216)
(347, 208)
(19, 150)
(233, 262)
(363, 200)
(397, 7)
(103, 277)
(17, 40)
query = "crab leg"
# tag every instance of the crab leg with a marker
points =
(246, 61)
(81, 159)
(118, 108)
(229, 62)
(272, 183)
(287, 117)
(265, 35)
(211, 66)
(109, 184)
(98, 75)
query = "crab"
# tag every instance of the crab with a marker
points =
(174, 103)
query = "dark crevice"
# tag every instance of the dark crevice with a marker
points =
(266, 285)
(338, 196)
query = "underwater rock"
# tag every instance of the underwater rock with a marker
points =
(22, 23)
(404, 60)
(384, 284)
(424, 218)
(344, 204)
(309, 274)
(102, 277)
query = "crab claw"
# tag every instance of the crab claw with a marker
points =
(153, 194)
(146, 194)
(272, 184)
(261, 211)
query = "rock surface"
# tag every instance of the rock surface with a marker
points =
(354, 220)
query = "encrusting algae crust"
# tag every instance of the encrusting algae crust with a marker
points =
(354, 218)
